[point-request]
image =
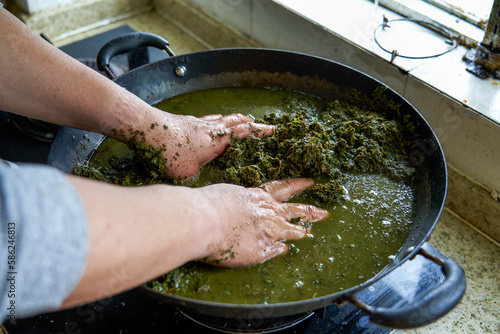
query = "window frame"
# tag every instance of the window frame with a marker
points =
(468, 33)
(460, 13)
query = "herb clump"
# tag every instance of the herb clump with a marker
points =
(315, 138)
(320, 140)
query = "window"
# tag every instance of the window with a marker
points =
(470, 25)
(465, 18)
(476, 12)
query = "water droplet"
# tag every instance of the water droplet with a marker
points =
(298, 284)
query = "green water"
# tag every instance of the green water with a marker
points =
(348, 248)
(368, 223)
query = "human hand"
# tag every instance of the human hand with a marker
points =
(253, 222)
(191, 142)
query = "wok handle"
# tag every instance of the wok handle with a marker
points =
(127, 43)
(430, 308)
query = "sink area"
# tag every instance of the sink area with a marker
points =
(469, 229)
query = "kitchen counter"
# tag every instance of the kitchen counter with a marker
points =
(478, 255)
(479, 310)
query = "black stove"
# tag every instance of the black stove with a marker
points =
(26, 140)
(134, 312)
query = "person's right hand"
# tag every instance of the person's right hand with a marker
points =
(253, 223)
(189, 142)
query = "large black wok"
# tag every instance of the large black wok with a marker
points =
(321, 77)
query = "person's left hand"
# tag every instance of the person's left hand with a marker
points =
(191, 142)
(251, 224)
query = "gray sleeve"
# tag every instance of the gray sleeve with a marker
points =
(43, 240)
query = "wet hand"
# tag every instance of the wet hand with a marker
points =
(254, 222)
(191, 142)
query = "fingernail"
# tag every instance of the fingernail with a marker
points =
(321, 213)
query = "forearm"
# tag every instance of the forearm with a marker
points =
(39, 81)
(137, 234)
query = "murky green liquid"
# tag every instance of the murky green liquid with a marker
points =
(348, 248)
(366, 227)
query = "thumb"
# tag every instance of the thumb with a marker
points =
(273, 250)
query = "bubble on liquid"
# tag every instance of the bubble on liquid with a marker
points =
(298, 284)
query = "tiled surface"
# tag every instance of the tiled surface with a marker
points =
(468, 138)
(212, 32)
(468, 198)
(71, 18)
(479, 311)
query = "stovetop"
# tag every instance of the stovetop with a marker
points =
(134, 312)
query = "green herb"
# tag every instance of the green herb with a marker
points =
(335, 142)
(294, 249)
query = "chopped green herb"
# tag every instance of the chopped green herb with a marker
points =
(351, 148)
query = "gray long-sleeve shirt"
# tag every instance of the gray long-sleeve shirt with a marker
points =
(43, 240)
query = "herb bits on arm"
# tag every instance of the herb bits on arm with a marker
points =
(177, 146)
